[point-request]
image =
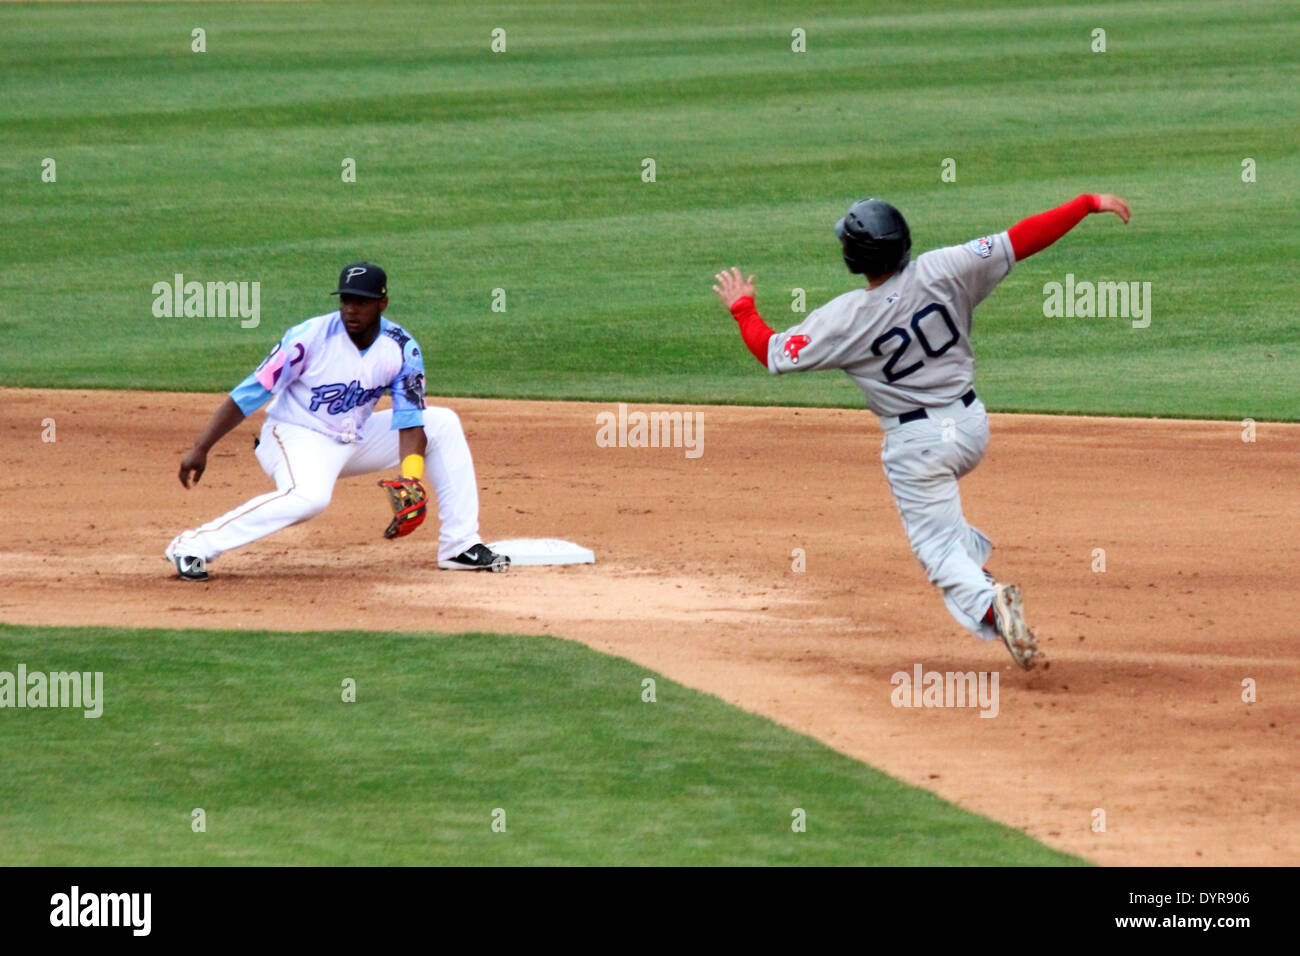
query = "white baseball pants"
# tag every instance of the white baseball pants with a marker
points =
(305, 464)
(923, 460)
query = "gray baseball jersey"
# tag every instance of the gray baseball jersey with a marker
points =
(906, 343)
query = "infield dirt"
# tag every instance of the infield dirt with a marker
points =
(1140, 714)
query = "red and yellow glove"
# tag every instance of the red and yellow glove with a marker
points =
(408, 498)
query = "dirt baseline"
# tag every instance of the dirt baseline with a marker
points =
(1140, 713)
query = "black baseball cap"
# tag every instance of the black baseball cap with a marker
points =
(364, 279)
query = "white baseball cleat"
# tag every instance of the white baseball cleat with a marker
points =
(1009, 619)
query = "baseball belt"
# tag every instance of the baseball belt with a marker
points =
(916, 414)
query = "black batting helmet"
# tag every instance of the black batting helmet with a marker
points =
(875, 238)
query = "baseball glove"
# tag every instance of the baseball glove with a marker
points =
(409, 505)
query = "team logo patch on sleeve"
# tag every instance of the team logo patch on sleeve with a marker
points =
(982, 247)
(413, 388)
(793, 345)
(398, 336)
(268, 373)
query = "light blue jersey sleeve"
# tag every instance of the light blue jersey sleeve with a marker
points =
(250, 394)
(281, 366)
(408, 388)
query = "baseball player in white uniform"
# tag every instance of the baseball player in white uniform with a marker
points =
(905, 340)
(323, 380)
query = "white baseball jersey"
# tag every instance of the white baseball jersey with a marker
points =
(318, 378)
(906, 343)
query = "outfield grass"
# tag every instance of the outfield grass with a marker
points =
(251, 727)
(521, 171)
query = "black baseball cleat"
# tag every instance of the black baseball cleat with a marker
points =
(191, 567)
(477, 558)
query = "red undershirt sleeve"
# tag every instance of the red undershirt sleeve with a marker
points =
(752, 327)
(1038, 232)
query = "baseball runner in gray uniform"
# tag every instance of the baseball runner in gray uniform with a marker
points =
(905, 340)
